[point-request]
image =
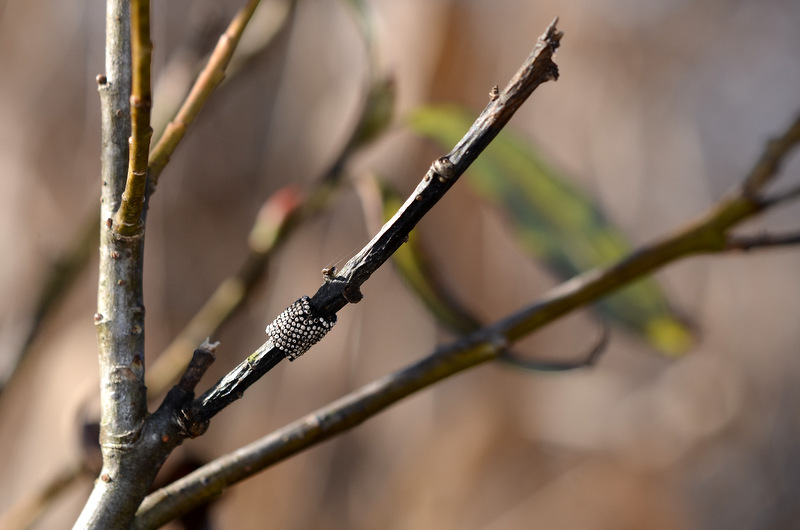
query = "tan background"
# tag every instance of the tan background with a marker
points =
(661, 107)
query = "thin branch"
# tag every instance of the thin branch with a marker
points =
(767, 166)
(201, 360)
(537, 365)
(128, 219)
(707, 234)
(779, 198)
(747, 243)
(337, 292)
(208, 80)
(59, 278)
(25, 511)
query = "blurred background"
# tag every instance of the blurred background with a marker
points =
(662, 106)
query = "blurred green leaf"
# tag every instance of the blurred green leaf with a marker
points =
(377, 113)
(557, 223)
(420, 274)
(415, 267)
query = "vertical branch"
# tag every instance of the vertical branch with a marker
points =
(130, 212)
(120, 310)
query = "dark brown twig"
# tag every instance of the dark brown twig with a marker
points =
(345, 288)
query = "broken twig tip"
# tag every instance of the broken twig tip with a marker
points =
(209, 346)
(551, 35)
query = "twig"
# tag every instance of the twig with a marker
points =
(201, 360)
(747, 243)
(337, 292)
(180, 73)
(61, 275)
(128, 218)
(208, 80)
(512, 358)
(708, 234)
(767, 165)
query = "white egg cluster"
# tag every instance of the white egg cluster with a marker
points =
(295, 330)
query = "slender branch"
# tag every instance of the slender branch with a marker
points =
(511, 358)
(707, 234)
(208, 80)
(60, 277)
(747, 243)
(337, 292)
(784, 196)
(767, 166)
(128, 218)
(25, 511)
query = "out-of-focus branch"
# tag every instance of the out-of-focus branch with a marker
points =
(62, 274)
(177, 77)
(25, 512)
(767, 166)
(208, 80)
(707, 234)
(747, 243)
